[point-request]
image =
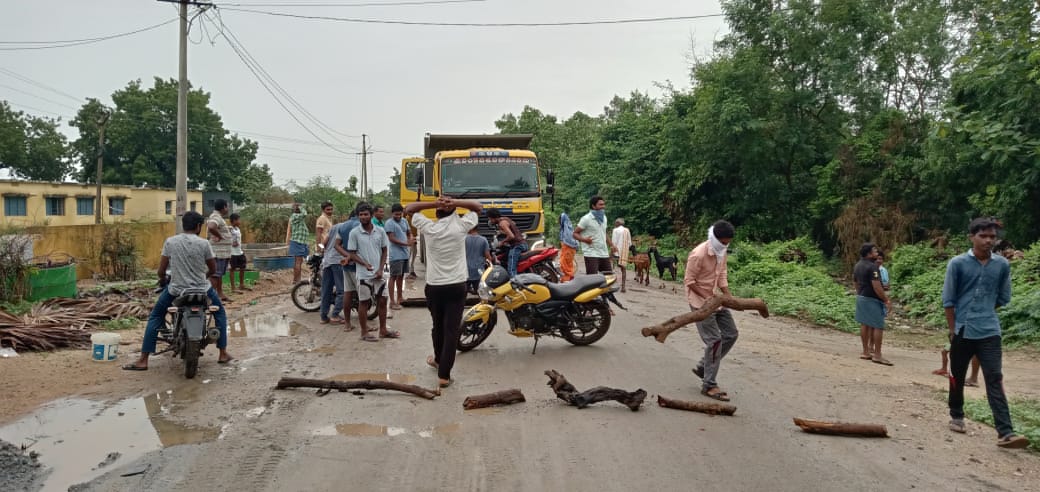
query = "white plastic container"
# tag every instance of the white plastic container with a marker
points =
(104, 346)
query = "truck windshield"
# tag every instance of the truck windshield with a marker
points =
(517, 176)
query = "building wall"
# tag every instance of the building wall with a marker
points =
(83, 242)
(147, 204)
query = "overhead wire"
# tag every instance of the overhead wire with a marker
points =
(40, 85)
(350, 4)
(44, 45)
(638, 20)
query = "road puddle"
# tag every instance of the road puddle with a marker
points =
(376, 376)
(371, 430)
(264, 326)
(74, 436)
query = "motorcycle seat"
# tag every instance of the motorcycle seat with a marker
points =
(581, 283)
(191, 297)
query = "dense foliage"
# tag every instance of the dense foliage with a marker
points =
(32, 146)
(840, 120)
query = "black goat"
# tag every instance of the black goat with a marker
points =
(669, 263)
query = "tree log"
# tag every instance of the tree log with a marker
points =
(697, 406)
(568, 393)
(841, 429)
(329, 385)
(507, 397)
(662, 330)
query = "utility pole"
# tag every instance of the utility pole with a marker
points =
(102, 122)
(364, 168)
(182, 120)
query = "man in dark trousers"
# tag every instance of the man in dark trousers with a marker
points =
(445, 273)
(978, 282)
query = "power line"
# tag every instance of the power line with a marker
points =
(46, 45)
(41, 85)
(56, 103)
(359, 4)
(641, 20)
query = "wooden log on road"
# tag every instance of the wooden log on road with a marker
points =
(697, 406)
(507, 397)
(568, 393)
(841, 428)
(661, 331)
(368, 384)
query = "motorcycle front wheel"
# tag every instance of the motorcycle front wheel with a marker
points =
(306, 296)
(472, 334)
(591, 322)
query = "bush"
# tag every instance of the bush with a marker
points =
(266, 224)
(1025, 414)
(15, 265)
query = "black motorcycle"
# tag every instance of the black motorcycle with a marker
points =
(306, 294)
(189, 328)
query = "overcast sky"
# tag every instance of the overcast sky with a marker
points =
(391, 82)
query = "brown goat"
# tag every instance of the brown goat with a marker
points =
(641, 262)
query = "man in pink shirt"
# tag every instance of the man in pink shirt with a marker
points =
(706, 273)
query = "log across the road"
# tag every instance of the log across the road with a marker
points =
(331, 384)
(506, 397)
(568, 393)
(841, 428)
(662, 330)
(697, 406)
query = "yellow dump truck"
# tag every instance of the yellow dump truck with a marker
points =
(500, 171)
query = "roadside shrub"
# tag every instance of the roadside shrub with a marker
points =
(266, 224)
(118, 258)
(15, 265)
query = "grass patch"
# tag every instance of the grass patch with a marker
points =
(1025, 414)
(120, 324)
(16, 308)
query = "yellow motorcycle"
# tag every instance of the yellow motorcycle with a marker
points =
(576, 311)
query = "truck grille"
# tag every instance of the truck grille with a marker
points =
(526, 223)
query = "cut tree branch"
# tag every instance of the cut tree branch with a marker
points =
(661, 331)
(568, 393)
(841, 428)
(330, 384)
(507, 397)
(697, 406)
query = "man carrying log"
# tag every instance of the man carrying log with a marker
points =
(706, 272)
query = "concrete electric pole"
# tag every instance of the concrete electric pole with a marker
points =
(364, 168)
(102, 122)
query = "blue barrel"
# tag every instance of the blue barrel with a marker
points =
(269, 263)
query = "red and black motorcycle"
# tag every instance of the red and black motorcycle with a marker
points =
(538, 261)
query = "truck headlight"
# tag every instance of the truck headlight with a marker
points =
(483, 291)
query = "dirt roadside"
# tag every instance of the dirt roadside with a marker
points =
(779, 369)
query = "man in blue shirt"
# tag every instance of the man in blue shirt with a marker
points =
(400, 235)
(350, 285)
(978, 282)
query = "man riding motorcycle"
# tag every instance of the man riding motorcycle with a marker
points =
(191, 262)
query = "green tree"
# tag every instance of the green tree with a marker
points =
(141, 142)
(32, 146)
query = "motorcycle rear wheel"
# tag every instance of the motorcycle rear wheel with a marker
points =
(472, 334)
(191, 358)
(307, 297)
(593, 321)
(547, 271)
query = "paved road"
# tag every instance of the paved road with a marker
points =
(294, 440)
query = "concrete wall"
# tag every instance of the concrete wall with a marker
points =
(83, 242)
(139, 203)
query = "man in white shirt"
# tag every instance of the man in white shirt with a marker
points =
(621, 239)
(445, 274)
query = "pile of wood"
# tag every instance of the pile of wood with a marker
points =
(59, 323)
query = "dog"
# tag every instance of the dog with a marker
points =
(641, 262)
(664, 263)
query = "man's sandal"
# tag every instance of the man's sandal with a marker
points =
(1013, 441)
(957, 425)
(715, 395)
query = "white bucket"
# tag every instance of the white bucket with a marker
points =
(104, 346)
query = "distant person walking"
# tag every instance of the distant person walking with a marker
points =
(568, 246)
(399, 232)
(621, 240)
(592, 233)
(296, 236)
(445, 274)
(706, 272)
(220, 240)
(238, 256)
(977, 282)
(871, 304)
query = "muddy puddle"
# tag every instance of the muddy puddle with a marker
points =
(266, 325)
(371, 430)
(376, 376)
(73, 436)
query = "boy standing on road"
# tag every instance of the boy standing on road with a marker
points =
(220, 240)
(706, 272)
(399, 233)
(445, 274)
(368, 246)
(296, 235)
(238, 257)
(568, 246)
(978, 282)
